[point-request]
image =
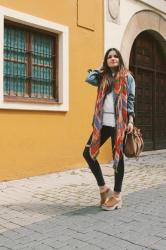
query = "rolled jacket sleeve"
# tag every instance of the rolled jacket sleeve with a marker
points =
(93, 77)
(131, 95)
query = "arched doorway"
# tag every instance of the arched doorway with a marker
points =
(148, 64)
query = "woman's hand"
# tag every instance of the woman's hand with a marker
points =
(130, 128)
(100, 69)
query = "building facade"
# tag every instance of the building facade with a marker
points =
(138, 30)
(46, 48)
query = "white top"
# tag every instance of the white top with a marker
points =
(108, 111)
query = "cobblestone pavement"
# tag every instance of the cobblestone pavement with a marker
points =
(60, 210)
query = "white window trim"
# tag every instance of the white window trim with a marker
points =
(63, 51)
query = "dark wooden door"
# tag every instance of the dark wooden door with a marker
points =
(148, 65)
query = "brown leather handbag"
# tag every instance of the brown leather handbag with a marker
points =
(133, 143)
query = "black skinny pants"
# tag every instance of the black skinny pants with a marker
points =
(106, 132)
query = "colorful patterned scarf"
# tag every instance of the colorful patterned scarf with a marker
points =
(120, 101)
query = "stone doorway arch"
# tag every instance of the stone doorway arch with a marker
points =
(148, 65)
(150, 26)
(141, 21)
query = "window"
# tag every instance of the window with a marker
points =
(34, 62)
(30, 64)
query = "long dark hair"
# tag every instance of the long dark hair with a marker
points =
(105, 67)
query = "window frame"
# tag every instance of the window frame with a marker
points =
(62, 76)
(54, 36)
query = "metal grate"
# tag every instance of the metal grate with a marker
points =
(29, 63)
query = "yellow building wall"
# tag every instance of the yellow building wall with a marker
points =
(39, 142)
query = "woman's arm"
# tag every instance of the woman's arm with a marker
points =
(131, 97)
(93, 77)
(130, 103)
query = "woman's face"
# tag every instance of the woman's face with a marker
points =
(112, 59)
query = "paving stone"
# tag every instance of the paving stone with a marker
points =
(61, 210)
(42, 247)
(88, 247)
(160, 245)
(4, 248)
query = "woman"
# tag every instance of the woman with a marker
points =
(113, 116)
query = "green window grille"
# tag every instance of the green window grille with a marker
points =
(29, 63)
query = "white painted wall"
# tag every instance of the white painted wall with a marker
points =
(156, 4)
(114, 32)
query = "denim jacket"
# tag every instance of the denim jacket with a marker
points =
(93, 79)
